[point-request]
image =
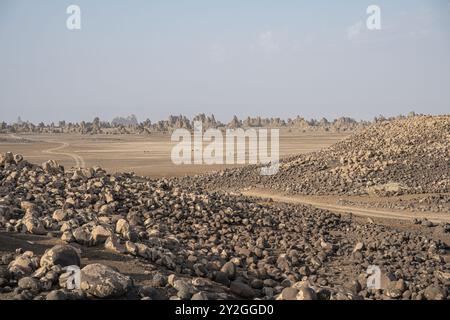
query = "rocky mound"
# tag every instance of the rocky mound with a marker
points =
(248, 249)
(406, 155)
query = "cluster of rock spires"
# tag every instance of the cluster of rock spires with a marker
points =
(403, 156)
(130, 125)
(204, 245)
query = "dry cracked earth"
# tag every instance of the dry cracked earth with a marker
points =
(200, 238)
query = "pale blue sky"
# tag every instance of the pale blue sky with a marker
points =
(268, 58)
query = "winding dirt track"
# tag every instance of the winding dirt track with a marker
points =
(79, 161)
(357, 211)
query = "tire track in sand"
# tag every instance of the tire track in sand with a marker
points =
(357, 211)
(79, 161)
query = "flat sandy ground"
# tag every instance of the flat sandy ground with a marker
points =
(148, 155)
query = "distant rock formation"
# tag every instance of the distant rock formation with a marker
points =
(127, 121)
(131, 125)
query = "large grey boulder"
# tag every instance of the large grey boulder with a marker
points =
(63, 255)
(102, 281)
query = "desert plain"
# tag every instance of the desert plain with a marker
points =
(140, 227)
(148, 155)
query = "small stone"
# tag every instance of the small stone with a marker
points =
(394, 293)
(152, 293)
(289, 294)
(268, 292)
(82, 236)
(185, 290)
(23, 265)
(34, 226)
(199, 282)
(427, 223)
(159, 280)
(24, 295)
(100, 234)
(229, 269)
(242, 290)
(123, 228)
(122, 225)
(353, 286)
(433, 292)
(29, 283)
(306, 293)
(286, 283)
(143, 250)
(199, 296)
(56, 295)
(113, 244)
(222, 277)
(171, 279)
(305, 271)
(7, 258)
(52, 276)
(59, 215)
(18, 158)
(358, 247)
(9, 157)
(67, 236)
(400, 285)
(257, 284)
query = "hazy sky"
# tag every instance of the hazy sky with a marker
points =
(245, 57)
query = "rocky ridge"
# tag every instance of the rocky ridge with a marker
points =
(402, 156)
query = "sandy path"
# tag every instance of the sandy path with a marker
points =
(79, 161)
(357, 211)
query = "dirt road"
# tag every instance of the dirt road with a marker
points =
(79, 161)
(327, 204)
